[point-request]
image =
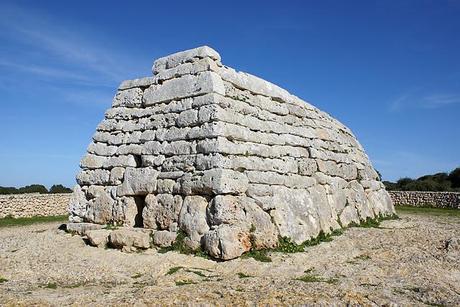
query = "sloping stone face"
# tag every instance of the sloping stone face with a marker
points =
(227, 158)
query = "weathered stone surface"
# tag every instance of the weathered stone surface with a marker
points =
(178, 58)
(186, 86)
(99, 237)
(128, 98)
(99, 209)
(82, 228)
(226, 158)
(161, 211)
(127, 238)
(138, 181)
(164, 238)
(77, 205)
(192, 219)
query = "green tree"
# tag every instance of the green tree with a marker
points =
(8, 190)
(454, 178)
(33, 188)
(59, 188)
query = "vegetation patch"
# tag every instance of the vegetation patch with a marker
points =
(374, 222)
(137, 275)
(429, 211)
(23, 221)
(3, 279)
(259, 255)
(180, 247)
(315, 278)
(199, 273)
(51, 285)
(173, 270)
(242, 275)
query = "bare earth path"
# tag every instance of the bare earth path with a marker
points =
(412, 261)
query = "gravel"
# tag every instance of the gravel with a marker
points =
(411, 261)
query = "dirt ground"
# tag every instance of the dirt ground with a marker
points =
(411, 261)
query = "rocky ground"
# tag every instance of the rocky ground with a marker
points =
(411, 261)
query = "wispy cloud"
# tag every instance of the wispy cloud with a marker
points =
(438, 101)
(415, 99)
(61, 50)
(45, 71)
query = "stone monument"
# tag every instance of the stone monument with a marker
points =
(230, 161)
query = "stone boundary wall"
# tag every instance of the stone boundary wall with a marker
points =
(426, 199)
(33, 204)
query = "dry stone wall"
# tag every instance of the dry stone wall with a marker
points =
(229, 159)
(28, 205)
(426, 199)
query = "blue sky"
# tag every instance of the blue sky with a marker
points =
(389, 70)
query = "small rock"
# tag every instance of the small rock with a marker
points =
(82, 228)
(98, 238)
(164, 238)
(121, 238)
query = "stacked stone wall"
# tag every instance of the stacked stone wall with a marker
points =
(229, 159)
(29, 205)
(426, 199)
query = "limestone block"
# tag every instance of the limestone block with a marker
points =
(120, 161)
(152, 160)
(187, 118)
(164, 238)
(99, 209)
(161, 211)
(91, 161)
(138, 181)
(77, 204)
(192, 219)
(307, 167)
(89, 177)
(126, 238)
(116, 175)
(82, 228)
(189, 68)
(178, 58)
(128, 98)
(141, 82)
(166, 186)
(126, 212)
(101, 149)
(186, 86)
(98, 238)
(223, 181)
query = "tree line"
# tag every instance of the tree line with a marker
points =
(439, 182)
(35, 188)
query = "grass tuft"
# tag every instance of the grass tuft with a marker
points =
(173, 270)
(3, 279)
(259, 255)
(51, 285)
(242, 275)
(315, 278)
(180, 246)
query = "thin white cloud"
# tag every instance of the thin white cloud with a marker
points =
(64, 45)
(398, 103)
(415, 100)
(45, 71)
(438, 101)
